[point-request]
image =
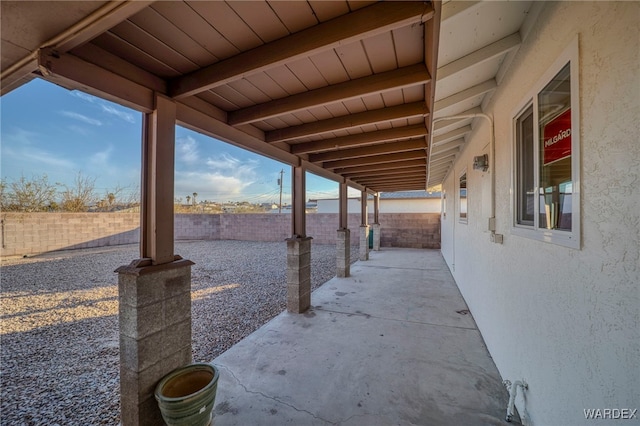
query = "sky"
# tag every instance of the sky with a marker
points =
(46, 129)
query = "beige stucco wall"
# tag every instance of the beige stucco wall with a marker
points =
(565, 320)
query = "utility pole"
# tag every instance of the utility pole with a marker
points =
(280, 183)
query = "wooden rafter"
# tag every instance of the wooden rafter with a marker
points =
(365, 22)
(363, 152)
(376, 116)
(360, 139)
(373, 184)
(100, 20)
(375, 159)
(376, 83)
(421, 162)
(388, 172)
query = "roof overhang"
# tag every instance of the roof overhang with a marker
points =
(345, 89)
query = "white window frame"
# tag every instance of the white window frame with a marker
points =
(443, 206)
(461, 219)
(565, 238)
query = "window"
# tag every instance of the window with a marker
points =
(443, 206)
(546, 157)
(463, 197)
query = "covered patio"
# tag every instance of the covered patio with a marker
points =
(392, 344)
(343, 89)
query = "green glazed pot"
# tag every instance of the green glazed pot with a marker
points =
(186, 395)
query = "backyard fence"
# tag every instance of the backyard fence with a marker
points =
(33, 233)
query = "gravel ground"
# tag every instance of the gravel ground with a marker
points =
(59, 330)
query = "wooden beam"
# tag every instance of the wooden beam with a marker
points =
(444, 126)
(443, 105)
(71, 71)
(99, 22)
(376, 167)
(441, 168)
(375, 159)
(360, 139)
(343, 217)
(383, 148)
(441, 164)
(413, 179)
(201, 117)
(364, 207)
(439, 158)
(487, 53)
(298, 202)
(453, 8)
(374, 178)
(449, 136)
(204, 118)
(363, 23)
(400, 187)
(115, 64)
(396, 185)
(376, 83)
(456, 144)
(399, 171)
(440, 172)
(156, 241)
(415, 109)
(377, 185)
(371, 182)
(18, 77)
(376, 209)
(105, 17)
(431, 46)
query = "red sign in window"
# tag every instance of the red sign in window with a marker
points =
(557, 138)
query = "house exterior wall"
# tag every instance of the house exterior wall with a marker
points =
(332, 205)
(424, 205)
(565, 320)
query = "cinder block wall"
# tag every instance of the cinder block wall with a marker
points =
(197, 227)
(32, 233)
(255, 227)
(412, 230)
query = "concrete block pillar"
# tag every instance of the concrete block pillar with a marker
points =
(376, 237)
(364, 242)
(155, 332)
(343, 253)
(298, 274)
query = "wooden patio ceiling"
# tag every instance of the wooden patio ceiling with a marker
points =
(343, 88)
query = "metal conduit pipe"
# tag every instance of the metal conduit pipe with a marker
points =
(513, 390)
(492, 152)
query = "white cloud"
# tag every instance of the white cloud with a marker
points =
(106, 107)
(37, 158)
(225, 178)
(124, 115)
(79, 130)
(187, 150)
(228, 163)
(101, 158)
(21, 137)
(80, 117)
(211, 186)
(84, 96)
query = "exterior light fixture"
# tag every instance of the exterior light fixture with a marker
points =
(481, 162)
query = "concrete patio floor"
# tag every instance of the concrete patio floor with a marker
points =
(393, 344)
